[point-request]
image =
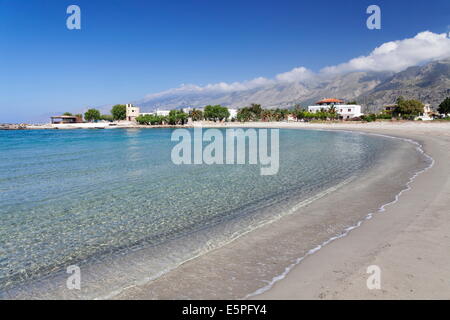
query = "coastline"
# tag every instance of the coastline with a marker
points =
(321, 250)
(236, 268)
(408, 241)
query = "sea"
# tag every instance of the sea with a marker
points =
(109, 209)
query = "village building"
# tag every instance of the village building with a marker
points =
(65, 119)
(233, 113)
(131, 112)
(345, 111)
(163, 113)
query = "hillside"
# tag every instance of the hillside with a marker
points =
(429, 83)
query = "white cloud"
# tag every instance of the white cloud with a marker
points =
(390, 56)
(238, 86)
(216, 87)
(295, 75)
(399, 55)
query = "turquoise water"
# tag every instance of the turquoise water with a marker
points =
(113, 203)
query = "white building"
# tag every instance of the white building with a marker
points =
(346, 111)
(162, 112)
(147, 114)
(427, 114)
(187, 109)
(233, 113)
(132, 112)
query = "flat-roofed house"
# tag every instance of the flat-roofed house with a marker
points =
(164, 113)
(65, 119)
(346, 111)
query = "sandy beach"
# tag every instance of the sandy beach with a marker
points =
(291, 150)
(408, 241)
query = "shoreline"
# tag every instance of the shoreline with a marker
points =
(158, 289)
(409, 241)
(322, 251)
(204, 123)
(348, 230)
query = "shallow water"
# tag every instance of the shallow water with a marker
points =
(113, 203)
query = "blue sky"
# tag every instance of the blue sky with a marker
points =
(128, 49)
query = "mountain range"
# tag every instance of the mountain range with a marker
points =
(429, 83)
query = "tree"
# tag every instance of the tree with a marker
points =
(369, 118)
(280, 114)
(216, 113)
(92, 115)
(244, 115)
(119, 112)
(332, 109)
(321, 115)
(256, 109)
(210, 113)
(444, 107)
(177, 117)
(67, 114)
(106, 117)
(408, 108)
(332, 112)
(299, 114)
(151, 119)
(223, 113)
(254, 113)
(309, 115)
(144, 119)
(196, 115)
(267, 115)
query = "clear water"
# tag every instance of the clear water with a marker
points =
(112, 202)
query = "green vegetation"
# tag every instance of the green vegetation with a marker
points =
(196, 115)
(106, 117)
(331, 114)
(150, 119)
(374, 117)
(252, 113)
(67, 114)
(216, 113)
(404, 109)
(274, 115)
(267, 115)
(244, 115)
(369, 117)
(92, 115)
(119, 112)
(444, 107)
(408, 109)
(256, 113)
(177, 117)
(384, 116)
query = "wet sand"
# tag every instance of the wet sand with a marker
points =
(408, 241)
